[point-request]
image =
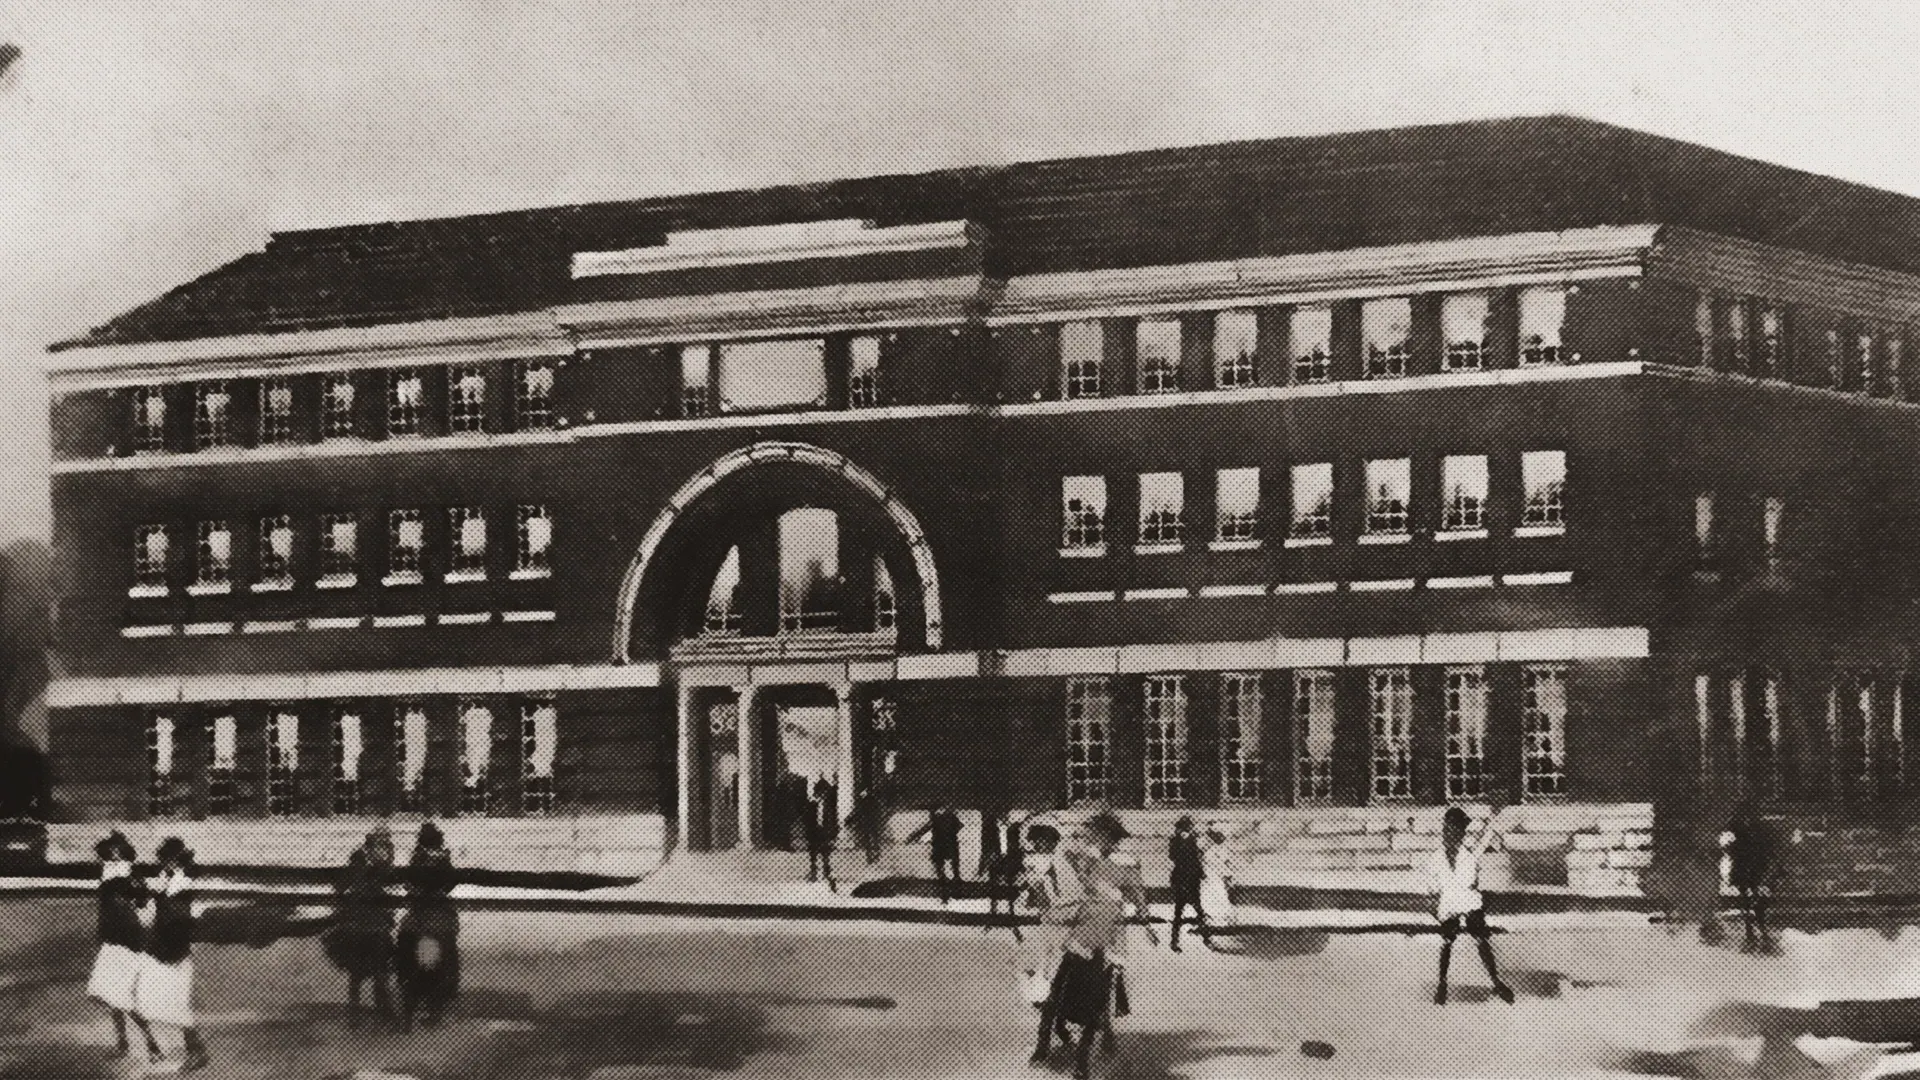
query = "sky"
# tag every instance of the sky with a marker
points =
(142, 144)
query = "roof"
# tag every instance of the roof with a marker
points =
(1191, 204)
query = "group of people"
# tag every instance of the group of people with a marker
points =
(423, 951)
(143, 971)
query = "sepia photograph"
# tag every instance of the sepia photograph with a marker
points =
(1330, 539)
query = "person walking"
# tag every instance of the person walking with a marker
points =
(1751, 869)
(116, 967)
(865, 823)
(427, 948)
(1216, 886)
(823, 830)
(1183, 852)
(360, 942)
(1004, 876)
(1455, 883)
(1083, 987)
(163, 990)
(943, 828)
(993, 823)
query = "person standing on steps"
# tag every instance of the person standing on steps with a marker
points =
(116, 968)
(1189, 869)
(823, 829)
(1455, 883)
(943, 827)
(163, 991)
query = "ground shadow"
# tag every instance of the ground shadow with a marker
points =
(577, 1035)
(1269, 943)
(1152, 1055)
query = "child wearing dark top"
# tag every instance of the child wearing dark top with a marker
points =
(427, 950)
(163, 992)
(116, 968)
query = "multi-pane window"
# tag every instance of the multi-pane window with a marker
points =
(339, 550)
(162, 795)
(1083, 502)
(1860, 360)
(1543, 321)
(1386, 329)
(1235, 340)
(1465, 320)
(1770, 346)
(275, 554)
(1835, 358)
(533, 542)
(1466, 716)
(1082, 345)
(1389, 489)
(212, 557)
(1310, 331)
(1463, 493)
(1089, 739)
(406, 401)
(863, 372)
(723, 597)
(1158, 345)
(283, 761)
(1543, 731)
(149, 419)
(467, 398)
(336, 407)
(1313, 723)
(1310, 510)
(410, 758)
(150, 545)
(1240, 756)
(1165, 718)
(1703, 327)
(809, 553)
(1390, 723)
(223, 760)
(406, 540)
(476, 758)
(1736, 333)
(1543, 481)
(886, 603)
(276, 411)
(532, 395)
(1162, 509)
(1236, 496)
(348, 746)
(539, 736)
(1764, 731)
(467, 530)
(212, 415)
(696, 378)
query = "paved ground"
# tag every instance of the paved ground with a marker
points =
(628, 996)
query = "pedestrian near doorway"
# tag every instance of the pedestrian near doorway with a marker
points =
(163, 990)
(866, 823)
(823, 830)
(1752, 868)
(116, 967)
(1455, 883)
(943, 830)
(1183, 852)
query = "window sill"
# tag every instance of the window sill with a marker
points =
(1095, 552)
(1234, 545)
(527, 616)
(1386, 538)
(530, 575)
(1477, 581)
(210, 588)
(1302, 588)
(1389, 585)
(1526, 531)
(337, 581)
(275, 585)
(387, 622)
(455, 577)
(466, 618)
(1307, 541)
(1158, 549)
(145, 592)
(408, 577)
(1551, 577)
(1461, 534)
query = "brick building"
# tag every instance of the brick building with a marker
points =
(1303, 485)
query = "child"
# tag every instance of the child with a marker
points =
(1217, 885)
(163, 992)
(427, 953)
(360, 942)
(1183, 851)
(1456, 888)
(116, 968)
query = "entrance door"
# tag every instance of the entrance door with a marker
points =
(723, 780)
(807, 750)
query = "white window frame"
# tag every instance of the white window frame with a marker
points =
(1082, 360)
(722, 617)
(212, 414)
(1836, 359)
(212, 559)
(1861, 358)
(1770, 341)
(283, 762)
(1384, 356)
(1463, 496)
(1390, 729)
(1157, 358)
(405, 559)
(1388, 519)
(1466, 726)
(163, 747)
(1236, 501)
(1168, 763)
(412, 742)
(532, 557)
(1543, 732)
(1466, 321)
(346, 757)
(886, 601)
(1089, 731)
(467, 399)
(1236, 343)
(863, 373)
(1163, 502)
(465, 563)
(1310, 333)
(696, 393)
(273, 571)
(1307, 525)
(533, 381)
(223, 727)
(1543, 486)
(1736, 330)
(1314, 713)
(1543, 325)
(338, 569)
(337, 396)
(539, 747)
(476, 768)
(1083, 515)
(1242, 764)
(149, 419)
(406, 408)
(150, 566)
(276, 424)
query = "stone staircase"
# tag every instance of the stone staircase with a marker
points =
(720, 875)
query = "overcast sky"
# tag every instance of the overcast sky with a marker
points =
(142, 143)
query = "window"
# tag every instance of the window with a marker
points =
(223, 745)
(1313, 719)
(149, 419)
(1165, 717)
(539, 735)
(467, 526)
(1764, 731)
(809, 540)
(467, 398)
(1893, 763)
(1770, 354)
(723, 597)
(1389, 483)
(1865, 725)
(1240, 756)
(339, 551)
(275, 570)
(773, 374)
(1860, 361)
(886, 604)
(1235, 339)
(1836, 362)
(406, 538)
(1703, 523)
(696, 395)
(1463, 494)
(1773, 516)
(1083, 513)
(532, 395)
(410, 759)
(150, 543)
(1543, 477)
(276, 411)
(212, 415)
(1089, 735)
(1386, 326)
(349, 745)
(1736, 332)
(1158, 342)
(406, 401)
(212, 557)
(1390, 721)
(1466, 732)
(336, 407)
(1162, 509)
(1703, 327)
(162, 795)
(1896, 353)
(1311, 510)
(283, 762)
(1543, 320)
(1703, 723)
(1082, 345)
(1311, 332)
(1237, 505)
(533, 542)
(1465, 320)
(863, 372)
(476, 756)
(1543, 731)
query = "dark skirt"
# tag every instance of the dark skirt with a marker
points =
(1080, 989)
(360, 951)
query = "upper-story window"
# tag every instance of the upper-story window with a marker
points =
(1235, 340)
(149, 419)
(1736, 332)
(1465, 319)
(1703, 327)
(696, 390)
(1835, 359)
(275, 559)
(1083, 517)
(1389, 490)
(1773, 518)
(406, 539)
(1860, 360)
(863, 372)
(1386, 329)
(1895, 351)
(476, 758)
(1082, 348)
(539, 736)
(150, 550)
(467, 525)
(1311, 511)
(532, 395)
(212, 557)
(406, 401)
(1162, 510)
(1703, 523)
(276, 411)
(1237, 505)
(1310, 330)
(1543, 481)
(1543, 320)
(212, 415)
(1463, 494)
(533, 542)
(336, 406)
(886, 602)
(773, 374)
(1770, 345)
(1158, 343)
(467, 398)
(723, 598)
(339, 551)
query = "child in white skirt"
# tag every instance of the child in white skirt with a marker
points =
(163, 992)
(116, 967)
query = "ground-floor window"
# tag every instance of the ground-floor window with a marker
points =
(223, 744)
(410, 758)
(1543, 731)
(348, 746)
(1166, 727)
(1466, 715)
(476, 758)
(283, 762)
(1313, 715)
(1089, 734)
(1240, 757)
(160, 782)
(539, 733)
(1390, 720)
